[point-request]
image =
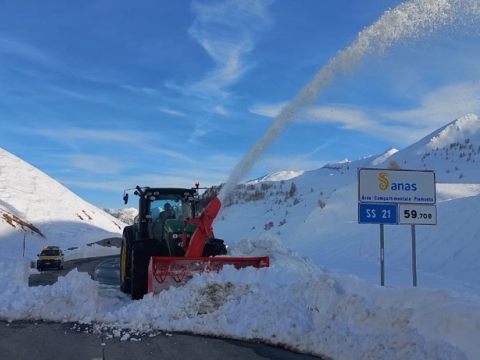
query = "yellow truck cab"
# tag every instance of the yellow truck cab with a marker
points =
(50, 257)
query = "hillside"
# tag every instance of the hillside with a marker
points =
(315, 213)
(35, 205)
(453, 151)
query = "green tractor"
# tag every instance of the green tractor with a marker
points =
(165, 224)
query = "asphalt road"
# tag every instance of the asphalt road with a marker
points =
(46, 341)
(89, 265)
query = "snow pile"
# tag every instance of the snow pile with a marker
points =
(86, 251)
(293, 304)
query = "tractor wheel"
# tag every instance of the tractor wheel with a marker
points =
(139, 270)
(214, 247)
(125, 257)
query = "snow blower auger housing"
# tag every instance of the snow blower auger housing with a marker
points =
(168, 243)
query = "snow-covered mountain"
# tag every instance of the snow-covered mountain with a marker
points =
(315, 213)
(35, 205)
(277, 176)
(453, 151)
(125, 215)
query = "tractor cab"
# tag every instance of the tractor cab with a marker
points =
(166, 221)
(162, 215)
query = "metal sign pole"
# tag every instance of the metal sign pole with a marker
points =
(414, 256)
(382, 255)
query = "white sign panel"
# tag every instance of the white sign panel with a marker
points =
(396, 186)
(412, 214)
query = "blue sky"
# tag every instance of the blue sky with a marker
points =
(105, 95)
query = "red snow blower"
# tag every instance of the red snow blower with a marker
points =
(168, 243)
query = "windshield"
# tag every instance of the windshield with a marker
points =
(174, 208)
(50, 253)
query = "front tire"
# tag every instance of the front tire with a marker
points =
(139, 269)
(125, 261)
(214, 247)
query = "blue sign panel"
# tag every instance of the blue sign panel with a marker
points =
(377, 213)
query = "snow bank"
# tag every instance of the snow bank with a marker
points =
(94, 250)
(293, 304)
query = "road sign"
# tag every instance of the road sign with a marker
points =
(387, 196)
(413, 214)
(396, 186)
(378, 214)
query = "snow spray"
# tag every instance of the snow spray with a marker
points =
(410, 19)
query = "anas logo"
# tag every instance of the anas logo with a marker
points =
(383, 181)
(385, 184)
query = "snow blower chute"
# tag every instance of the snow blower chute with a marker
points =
(168, 243)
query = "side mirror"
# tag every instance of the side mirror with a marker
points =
(125, 198)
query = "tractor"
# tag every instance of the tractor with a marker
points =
(169, 241)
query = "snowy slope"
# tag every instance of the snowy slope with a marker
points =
(453, 151)
(277, 176)
(320, 220)
(34, 204)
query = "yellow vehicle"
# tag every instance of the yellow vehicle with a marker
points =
(50, 257)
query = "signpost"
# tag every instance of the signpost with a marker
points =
(396, 197)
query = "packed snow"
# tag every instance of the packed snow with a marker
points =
(293, 304)
(321, 293)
